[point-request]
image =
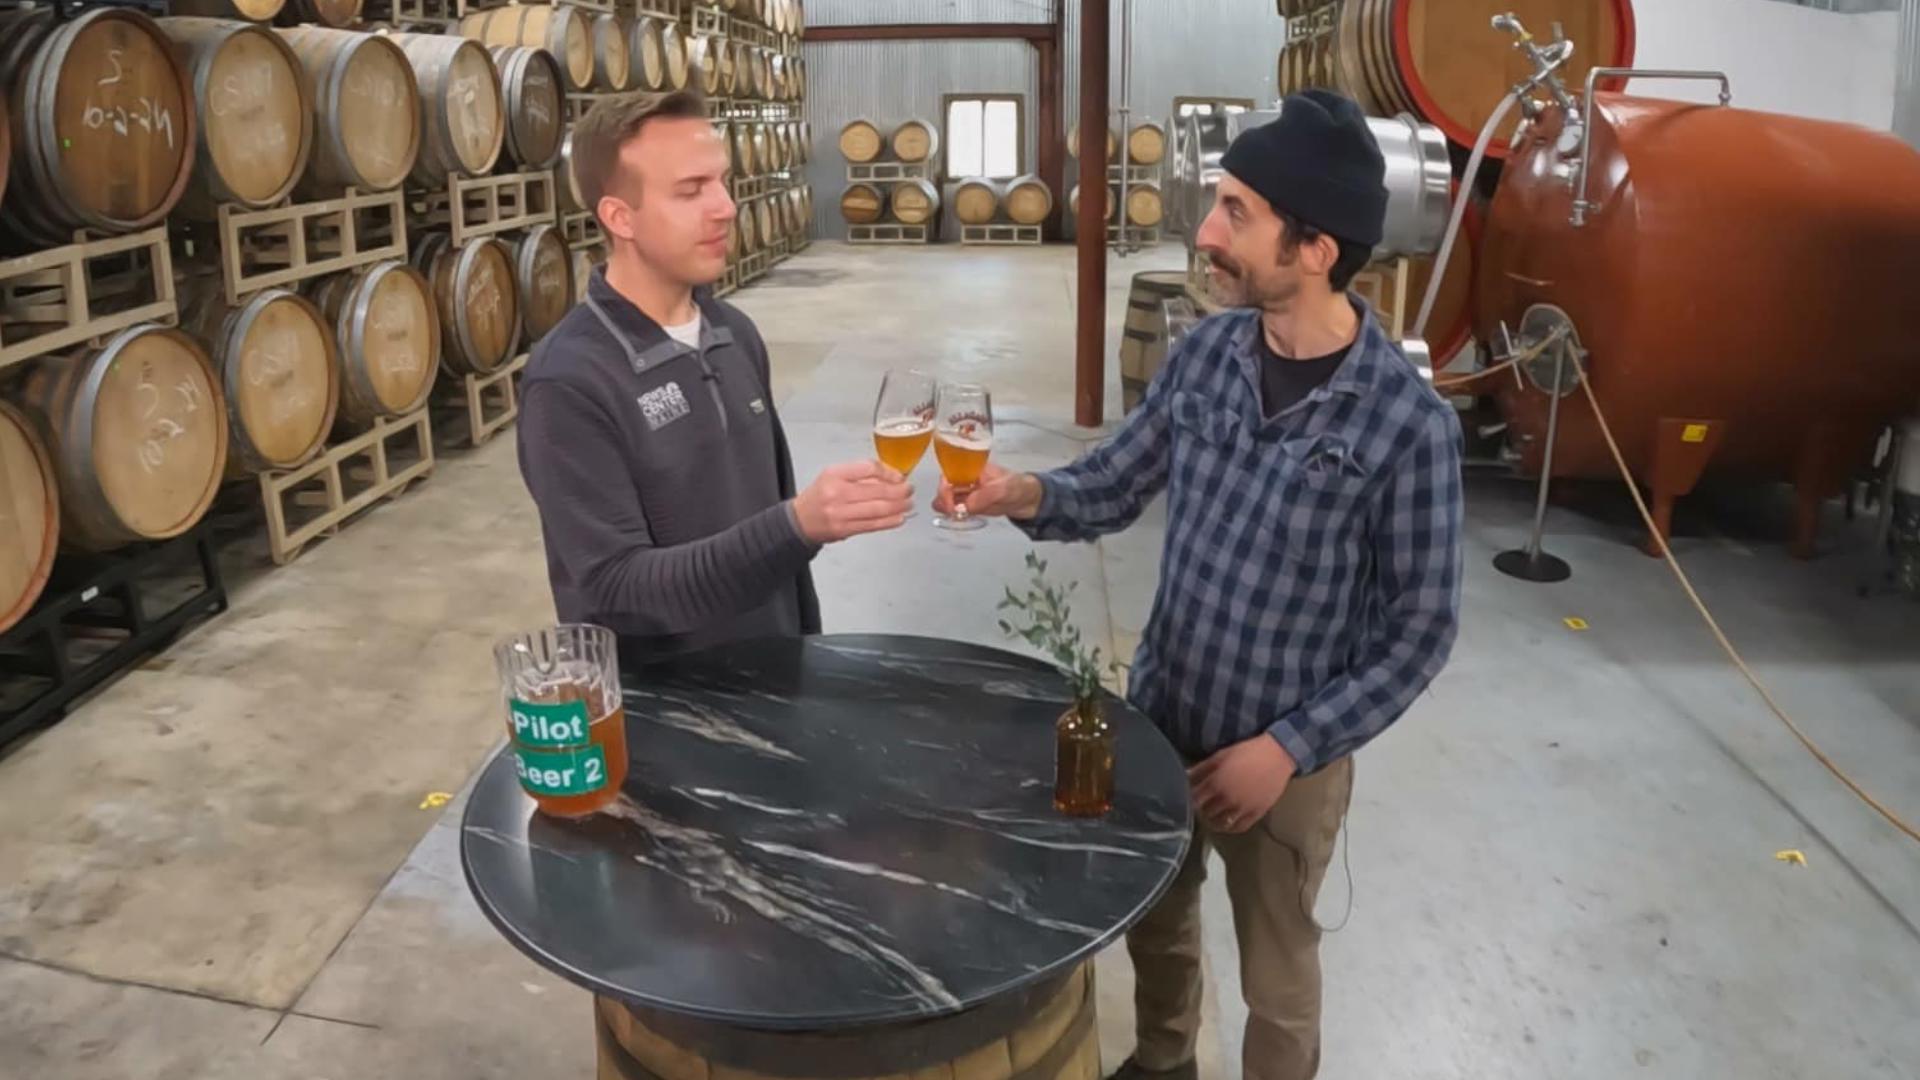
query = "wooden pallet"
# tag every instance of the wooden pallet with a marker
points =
(578, 103)
(753, 187)
(491, 401)
(1133, 234)
(581, 229)
(670, 10)
(63, 296)
(102, 616)
(476, 206)
(753, 267)
(889, 233)
(999, 233)
(708, 21)
(887, 172)
(1134, 173)
(322, 485)
(283, 245)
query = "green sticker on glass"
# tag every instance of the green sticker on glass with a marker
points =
(564, 724)
(567, 772)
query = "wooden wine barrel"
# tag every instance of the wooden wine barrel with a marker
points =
(335, 14)
(861, 141)
(29, 515)
(585, 259)
(103, 125)
(1073, 144)
(726, 54)
(387, 336)
(543, 276)
(749, 230)
(255, 113)
(733, 241)
(558, 28)
(763, 74)
(777, 76)
(763, 219)
(138, 435)
(566, 186)
(1073, 202)
(762, 147)
(915, 202)
(806, 206)
(536, 105)
(646, 56)
(1437, 59)
(704, 63)
(806, 141)
(746, 157)
(673, 45)
(915, 140)
(862, 204)
(612, 53)
(1052, 1035)
(259, 11)
(1145, 205)
(797, 70)
(278, 370)
(461, 110)
(976, 201)
(1028, 200)
(366, 110)
(1147, 144)
(477, 300)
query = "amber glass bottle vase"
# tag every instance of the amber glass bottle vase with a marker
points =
(1083, 761)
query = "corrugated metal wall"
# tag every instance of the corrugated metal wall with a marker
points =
(855, 12)
(1906, 101)
(891, 81)
(1221, 48)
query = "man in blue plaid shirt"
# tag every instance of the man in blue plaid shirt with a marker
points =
(1310, 585)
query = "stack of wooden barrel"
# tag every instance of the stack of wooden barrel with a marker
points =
(182, 130)
(893, 178)
(750, 60)
(1441, 62)
(1134, 167)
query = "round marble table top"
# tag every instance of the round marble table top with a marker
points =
(831, 832)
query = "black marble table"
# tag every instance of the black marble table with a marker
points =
(822, 835)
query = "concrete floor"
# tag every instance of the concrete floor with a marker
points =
(1562, 860)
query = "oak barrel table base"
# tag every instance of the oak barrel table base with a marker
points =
(1047, 1034)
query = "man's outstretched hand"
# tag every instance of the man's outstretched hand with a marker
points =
(850, 499)
(1000, 493)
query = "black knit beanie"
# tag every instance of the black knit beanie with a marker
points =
(1318, 162)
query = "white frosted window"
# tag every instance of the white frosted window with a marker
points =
(983, 137)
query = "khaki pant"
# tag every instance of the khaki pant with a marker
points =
(1274, 872)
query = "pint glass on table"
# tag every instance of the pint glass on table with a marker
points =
(564, 716)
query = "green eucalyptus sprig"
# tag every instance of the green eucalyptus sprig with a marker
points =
(1047, 624)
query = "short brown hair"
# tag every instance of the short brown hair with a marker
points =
(611, 123)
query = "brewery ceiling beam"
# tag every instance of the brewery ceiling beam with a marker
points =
(1090, 329)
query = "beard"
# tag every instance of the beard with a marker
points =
(1234, 286)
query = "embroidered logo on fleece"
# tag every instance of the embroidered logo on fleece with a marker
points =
(663, 405)
(757, 405)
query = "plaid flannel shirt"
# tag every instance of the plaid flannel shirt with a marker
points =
(1310, 583)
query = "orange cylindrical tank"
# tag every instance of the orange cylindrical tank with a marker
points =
(1742, 270)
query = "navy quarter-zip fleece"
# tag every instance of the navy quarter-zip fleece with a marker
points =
(663, 479)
